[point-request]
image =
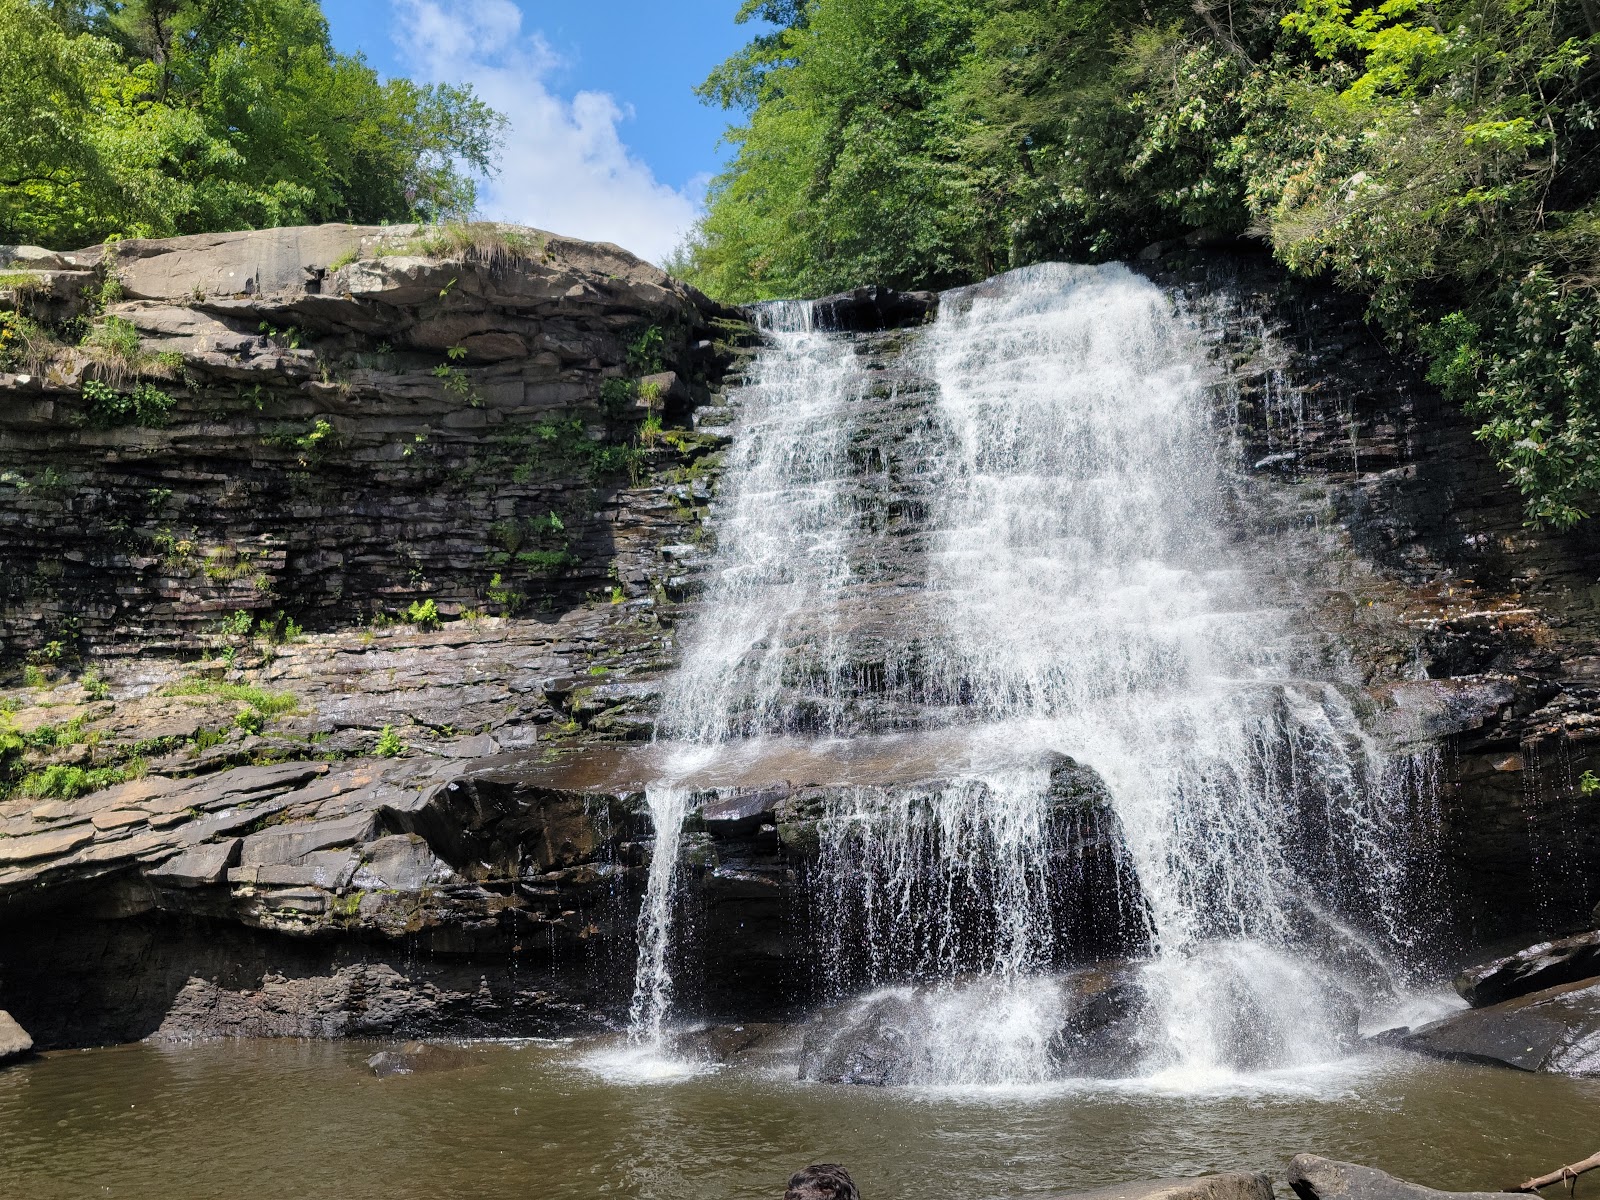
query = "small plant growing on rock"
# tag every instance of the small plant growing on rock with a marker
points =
(389, 743)
(95, 687)
(424, 614)
(250, 720)
(237, 625)
(1588, 783)
(146, 405)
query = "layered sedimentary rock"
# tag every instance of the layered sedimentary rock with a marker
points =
(359, 825)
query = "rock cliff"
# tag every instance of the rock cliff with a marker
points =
(343, 566)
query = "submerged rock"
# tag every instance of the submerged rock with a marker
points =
(1316, 1178)
(1237, 1185)
(724, 1043)
(415, 1058)
(821, 1181)
(1542, 965)
(1556, 1031)
(14, 1039)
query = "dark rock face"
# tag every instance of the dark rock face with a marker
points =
(1228, 1185)
(873, 308)
(1556, 1030)
(1545, 965)
(1315, 1178)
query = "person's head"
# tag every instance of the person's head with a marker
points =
(821, 1181)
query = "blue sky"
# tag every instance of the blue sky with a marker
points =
(607, 138)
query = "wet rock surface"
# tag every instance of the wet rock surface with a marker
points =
(1315, 1178)
(1540, 966)
(1556, 1030)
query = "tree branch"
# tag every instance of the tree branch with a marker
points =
(1568, 1173)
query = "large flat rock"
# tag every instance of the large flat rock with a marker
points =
(1556, 1030)
(1316, 1178)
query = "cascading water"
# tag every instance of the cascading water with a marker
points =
(1083, 596)
(782, 531)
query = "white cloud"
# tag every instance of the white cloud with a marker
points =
(564, 166)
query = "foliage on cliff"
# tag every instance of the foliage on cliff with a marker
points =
(159, 117)
(1441, 158)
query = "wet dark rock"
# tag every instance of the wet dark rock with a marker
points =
(1540, 966)
(726, 1043)
(883, 1039)
(1223, 1186)
(1315, 1178)
(1555, 1031)
(421, 1058)
(14, 1039)
(1100, 1036)
(821, 1181)
(871, 1042)
(867, 309)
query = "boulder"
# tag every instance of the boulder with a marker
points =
(1556, 1031)
(1316, 1178)
(821, 1181)
(868, 1042)
(14, 1039)
(417, 1058)
(1237, 1185)
(724, 1043)
(1542, 965)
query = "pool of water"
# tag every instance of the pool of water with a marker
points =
(557, 1120)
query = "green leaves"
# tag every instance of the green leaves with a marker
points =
(157, 117)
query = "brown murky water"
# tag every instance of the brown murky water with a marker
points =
(309, 1119)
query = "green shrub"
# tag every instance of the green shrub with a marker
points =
(145, 405)
(424, 614)
(389, 743)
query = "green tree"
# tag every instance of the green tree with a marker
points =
(179, 116)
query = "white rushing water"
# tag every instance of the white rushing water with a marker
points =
(1093, 605)
(782, 531)
(1085, 596)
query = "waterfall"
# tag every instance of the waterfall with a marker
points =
(1085, 593)
(782, 529)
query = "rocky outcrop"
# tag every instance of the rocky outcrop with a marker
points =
(359, 638)
(1544, 965)
(873, 308)
(1556, 1030)
(1315, 1178)
(338, 422)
